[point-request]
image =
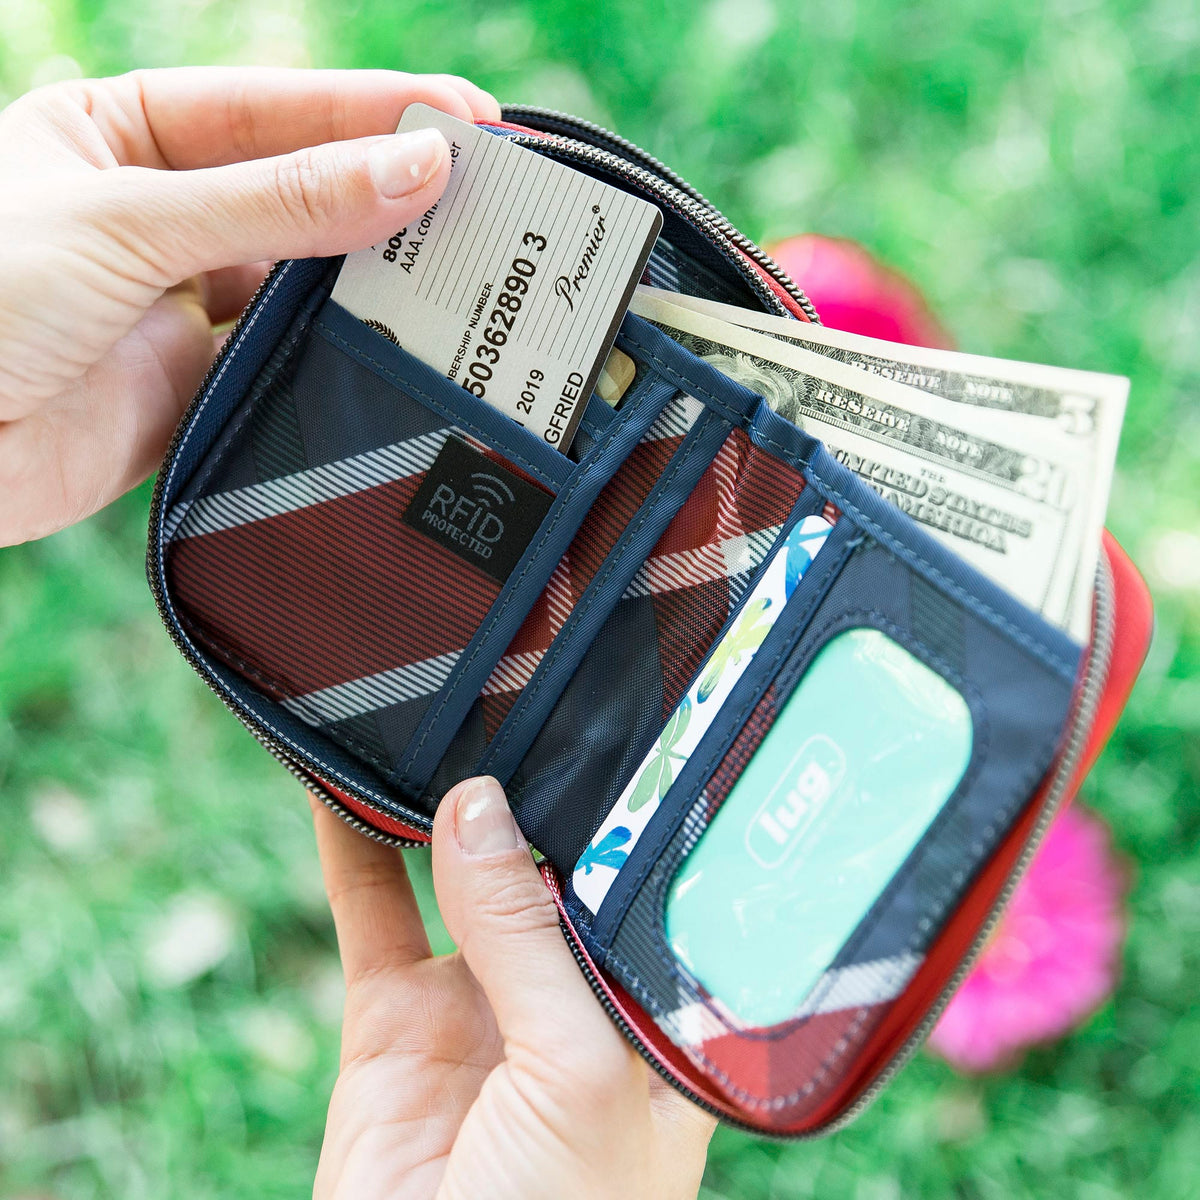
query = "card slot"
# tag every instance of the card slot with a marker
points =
(640, 413)
(773, 579)
(615, 509)
(669, 494)
(465, 411)
(662, 822)
(609, 697)
(921, 735)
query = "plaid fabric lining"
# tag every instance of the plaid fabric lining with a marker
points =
(260, 576)
(290, 582)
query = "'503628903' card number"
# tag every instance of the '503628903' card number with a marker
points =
(503, 317)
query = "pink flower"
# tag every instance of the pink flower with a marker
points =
(854, 291)
(1051, 961)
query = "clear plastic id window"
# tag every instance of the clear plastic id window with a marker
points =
(864, 754)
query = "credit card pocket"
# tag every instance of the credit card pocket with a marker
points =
(859, 774)
(787, 562)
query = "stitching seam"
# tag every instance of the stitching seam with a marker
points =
(485, 630)
(616, 557)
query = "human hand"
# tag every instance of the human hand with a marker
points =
(135, 214)
(491, 1071)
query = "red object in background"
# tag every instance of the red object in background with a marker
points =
(1051, 961)
(854, 291)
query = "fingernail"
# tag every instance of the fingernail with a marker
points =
(482, 819)
(406, 163)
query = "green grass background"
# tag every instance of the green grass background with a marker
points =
(1034, 168)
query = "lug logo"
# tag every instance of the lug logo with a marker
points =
(812, 776)
(475, 507)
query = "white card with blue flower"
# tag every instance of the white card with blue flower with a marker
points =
(609, 849)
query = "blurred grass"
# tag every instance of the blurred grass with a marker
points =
(1035, 170)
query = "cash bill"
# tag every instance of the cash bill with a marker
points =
(1086, 407)
(1014, 507)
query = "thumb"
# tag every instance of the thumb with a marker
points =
(503, 919)
(323, 200)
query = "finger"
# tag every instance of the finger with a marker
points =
(192, 117)
(500, 914)
(374, 910)
(227, 291)
(325, 200)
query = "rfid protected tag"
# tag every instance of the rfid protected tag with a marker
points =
(864, 754)
(477, 508)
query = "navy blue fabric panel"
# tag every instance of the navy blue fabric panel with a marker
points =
(469, 742)
(597, 417)
(239, 468)
(398, 722)
(362, 734)
(597, 736)
(1019, 708)
(452, 403)
(291, 289)
(527, 581)
(345, 409)
(275, 435)
(553, 673)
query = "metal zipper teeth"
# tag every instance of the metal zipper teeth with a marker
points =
(605, 139)
(597, 135)
(702, 216)
(339, 809)
(1095, 674)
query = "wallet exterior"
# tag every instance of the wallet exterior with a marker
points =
(381, 666)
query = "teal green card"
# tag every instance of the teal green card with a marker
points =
(866, 751)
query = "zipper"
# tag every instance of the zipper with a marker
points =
(335, 806)
(1095, 673)
(586, 135)
(548, 120)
